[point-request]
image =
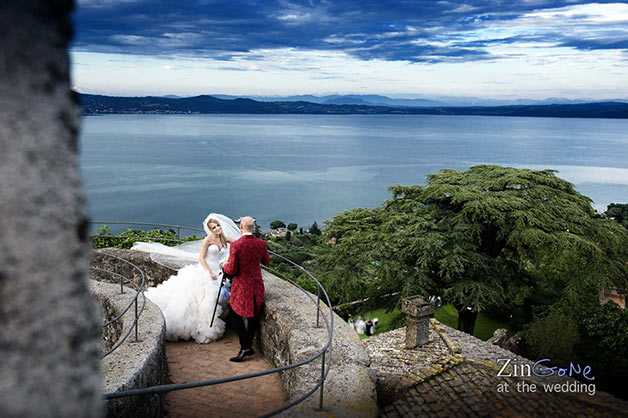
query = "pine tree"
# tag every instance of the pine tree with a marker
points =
(490, 236)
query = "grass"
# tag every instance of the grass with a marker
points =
(385, 319)
(446, 314)
(484, 326)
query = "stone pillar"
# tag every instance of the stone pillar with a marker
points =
(50, 327)
(418, 312)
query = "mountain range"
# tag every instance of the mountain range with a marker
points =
(436, 101)
(337, 104)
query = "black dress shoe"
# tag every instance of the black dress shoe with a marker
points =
(242, 354)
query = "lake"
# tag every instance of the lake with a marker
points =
(304, 168)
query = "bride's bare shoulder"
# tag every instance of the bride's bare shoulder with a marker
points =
(207, 241)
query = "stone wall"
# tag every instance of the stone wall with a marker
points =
(112, 332)
(154, 273)
(50, 334)
(288, 335)
(134, 364)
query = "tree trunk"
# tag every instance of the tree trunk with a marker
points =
(466, 320)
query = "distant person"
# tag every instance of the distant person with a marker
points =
(247, 288)
(360, 326)
(374, 326)
(187, 299)
(367, 328)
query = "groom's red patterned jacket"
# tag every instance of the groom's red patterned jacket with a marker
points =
(245, 256)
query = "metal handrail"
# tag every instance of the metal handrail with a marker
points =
(178, 227)
(133, 301)
(161, 389)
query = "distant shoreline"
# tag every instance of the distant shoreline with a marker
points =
(93, 105)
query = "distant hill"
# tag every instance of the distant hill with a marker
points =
(440, 101)
(362, 99)
(96, 104)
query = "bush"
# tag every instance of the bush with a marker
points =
(555, 337)
(104, 238)
(314, 229)
(604, 330)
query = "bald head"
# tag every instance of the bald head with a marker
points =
(247, 224)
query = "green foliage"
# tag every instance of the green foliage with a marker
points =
(390, 319)
(604, 333)
(277, 224)
(484, 326)
(104, 238)
(554, 336)
(488, 237)
(292, 226)
(300, 250)
(314, 230)
(618, 211)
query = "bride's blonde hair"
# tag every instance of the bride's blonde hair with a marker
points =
(221, 237)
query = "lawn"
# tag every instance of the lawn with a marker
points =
(384, 319)
(446, 314)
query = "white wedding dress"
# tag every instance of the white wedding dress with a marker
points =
(187, 299)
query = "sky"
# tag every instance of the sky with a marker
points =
(500, 49)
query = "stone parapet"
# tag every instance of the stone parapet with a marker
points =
(155, 273)
(133, 365)
(288, 335)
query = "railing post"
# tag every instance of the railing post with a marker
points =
(179, 233)
(121, 277)
(161, 405)
(318, 305)
(320, 401)
(137, 324)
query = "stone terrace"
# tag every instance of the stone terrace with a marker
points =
(455, 374)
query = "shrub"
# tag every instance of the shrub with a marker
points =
(104, 238)
(604, 331)
(555, 337)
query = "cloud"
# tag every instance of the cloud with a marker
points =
(417, 31)
(587, 174)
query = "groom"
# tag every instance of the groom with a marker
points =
(247, 286)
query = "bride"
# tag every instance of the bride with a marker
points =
(187, 299)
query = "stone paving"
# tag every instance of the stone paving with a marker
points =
(192, 362)
(455, 375)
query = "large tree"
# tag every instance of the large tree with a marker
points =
(490, 236)
(619, 212)
(277, 224)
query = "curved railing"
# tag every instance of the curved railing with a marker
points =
(329, 324)
(134, 301)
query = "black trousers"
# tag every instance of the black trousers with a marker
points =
(245, 334)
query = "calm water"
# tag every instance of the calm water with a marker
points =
(177, 168)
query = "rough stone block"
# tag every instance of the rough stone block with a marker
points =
(417, 307)
(418, 312)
